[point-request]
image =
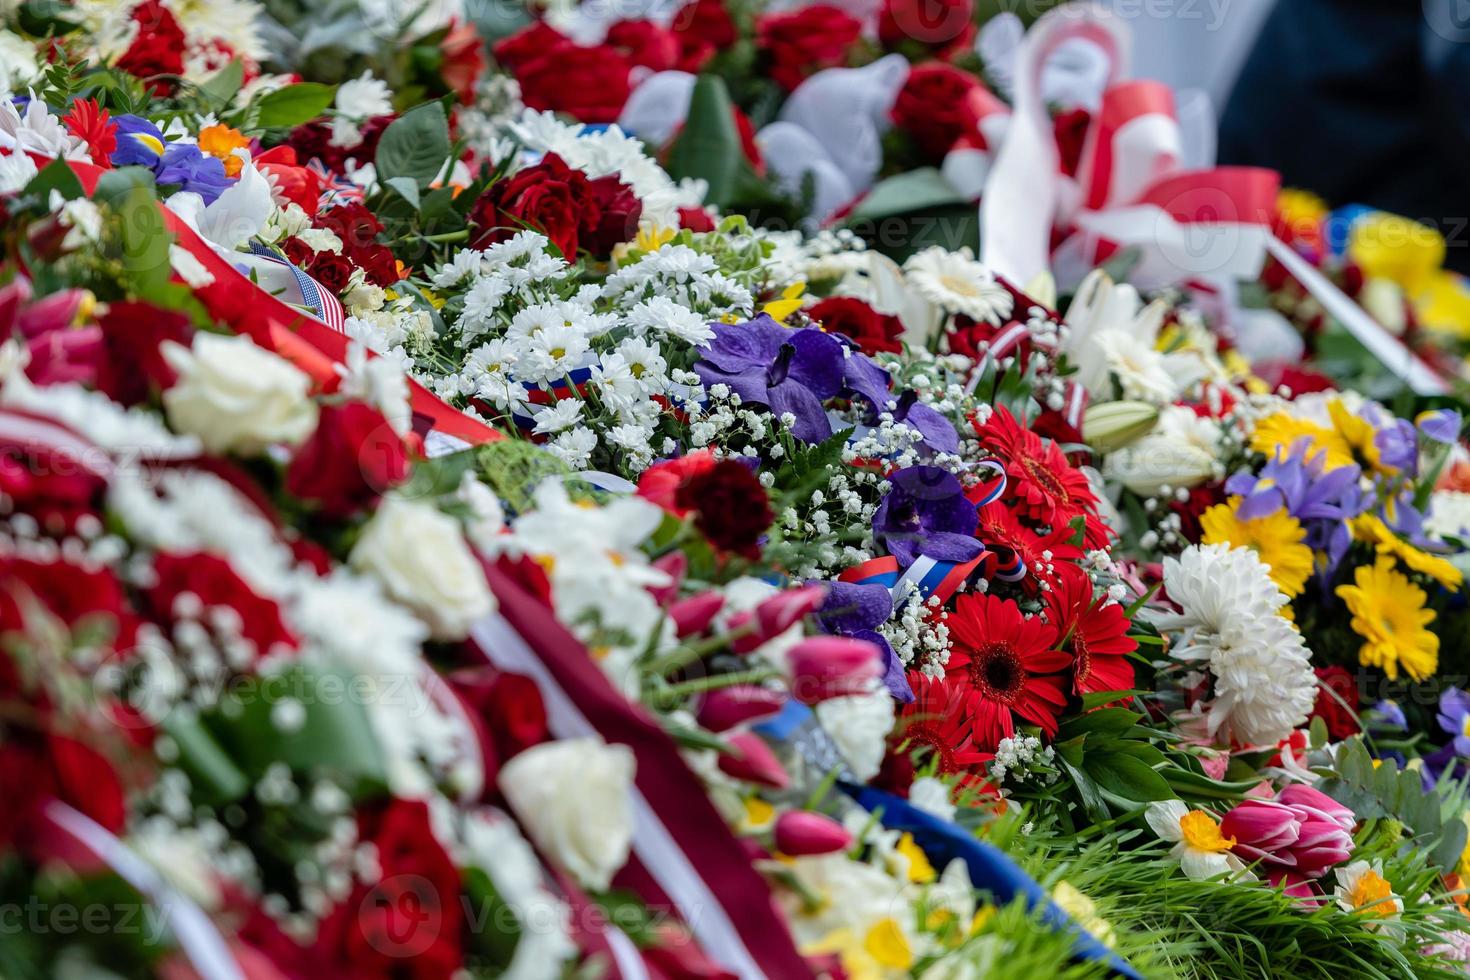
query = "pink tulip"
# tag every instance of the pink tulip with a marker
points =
(824, 667)
(1320, 804)
(693, 615)
(776, 615)
(1301, 829)
(1262, 829)
(727, 707)
(752, 760)
(1296, 886)
(674, 565)
(800, 833)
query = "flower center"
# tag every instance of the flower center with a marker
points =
(956, 284)
(1081, 658)
(925, 735)
(1202, 833)
(1369, 894)
(997, 673)
(1040, 473)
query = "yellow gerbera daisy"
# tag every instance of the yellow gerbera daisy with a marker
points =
(1282, 430)
(1276, 538)
(1370, 528)
(1388, 613)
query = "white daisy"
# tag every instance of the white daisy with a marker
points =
(955, 281)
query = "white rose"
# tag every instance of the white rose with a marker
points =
(574, 799)
(236, 396)
(420, 556)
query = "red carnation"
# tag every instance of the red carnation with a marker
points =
(1337, 701)
(642, 42)
(871, 330)
(660, 483)
(934, 27)
(407, 925)
(1094, 631)
(805, 41)
(938, 104)
(530, 43)
(704, 28)
(613, 221)
(550, 197)
(1007, 665)
(696, 220)
(588, 84)
(216, 585)
(158, 47)
(350, 460)
(730, 506)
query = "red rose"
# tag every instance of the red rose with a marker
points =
(298, 253)
(379, 264)
(295, 183)
(406, 925)
(133, 335)
(314, 141)
(507, 712)
(550, 197)
(873, 331)
(696, 220)
(530, 43)
(85, 779)
(703, 28)
(158, 47)
(331, 270)
(350, 460)
(644, 43)
(49, 486)
(937, 27)
(937, 105)
(464, 61)
(589, 84)
(660, 483)
(215, 584)
(353, 223)
(616, 216)
(1337, 701)
(805, 41)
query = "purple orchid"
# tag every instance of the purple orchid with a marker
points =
(1454, 718)
(925, 513)
(787, 371)
(939, 434)
(857, 610)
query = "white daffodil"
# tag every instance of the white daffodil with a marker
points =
(1199, 847)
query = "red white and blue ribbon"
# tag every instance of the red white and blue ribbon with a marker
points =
(684, 857)
(314, 296)
(336, 189)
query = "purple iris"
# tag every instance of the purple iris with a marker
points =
(1392, 714)
(139, 142)
(785, 370)
(1441, 424)
(193, 170)
(939, 434)
(925, 513)
(857, 610)
(1398, 444)
(1323, 500)
(1454, 718)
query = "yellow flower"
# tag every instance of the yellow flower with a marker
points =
(789, 303)
(1463, 868)
(880, 950)
(1282, 430)
(1359, 434)
(1388, 613)
(653, 239)
(221, 142)
(888, 946)
(1301, 211)
(920, 871)
(758, 816)
(1277, 538)
(1444, 304)
(1084, 912)
(1370, 529)
(1387, 246)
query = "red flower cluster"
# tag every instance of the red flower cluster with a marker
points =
(573, 211)
(350, 460)
(938, 105)
(157, 48)
(939, 28)
(358, 228)
(1044, 488)
(872, 331)
(729, 505)
(216, 586)
(588, 83)
(802, 42)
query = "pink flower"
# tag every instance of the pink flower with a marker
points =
(800, 833)
(751, 759)
(824, 667)
(727, 707)
(776, 615)
(693, 615)
(1301, 829)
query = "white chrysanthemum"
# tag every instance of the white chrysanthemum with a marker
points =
(1449, 514)
(363, 98)
(955, 281)
(1264, 686)
(859, 724)
(662, 315)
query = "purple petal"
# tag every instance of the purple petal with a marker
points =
(854, 606)
(818, 363)
(945, 546)
(867, 380)
(937, 431)
(811, 418)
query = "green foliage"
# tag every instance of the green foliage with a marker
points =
(415, 145)
(290, 106)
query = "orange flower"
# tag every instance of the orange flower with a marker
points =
(222, 142)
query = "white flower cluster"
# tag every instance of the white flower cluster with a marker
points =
(918, 634)
(1264, 686)
(1016, 757)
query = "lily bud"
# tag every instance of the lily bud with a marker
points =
(1110, 426)
(693, 615)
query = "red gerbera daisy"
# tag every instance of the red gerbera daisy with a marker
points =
(938, 720)
(1094, 630)
(1041, 483)
(1008, 666)
(90, 123)
(999, 529)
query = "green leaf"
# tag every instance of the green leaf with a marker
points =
(415, 145)
(407, 188)
(222, 86)
(129, 194)
(1100, 698)
(1127, 777)
(1105, 721)
(905, 193)
(708, 147)
(292, 105)
(56, 176)
(1197, 786)
(215, 779)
